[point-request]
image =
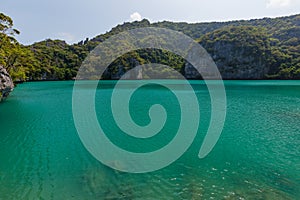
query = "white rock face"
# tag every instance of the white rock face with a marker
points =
(6, 83)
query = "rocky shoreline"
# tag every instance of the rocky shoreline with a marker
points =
(6, 83)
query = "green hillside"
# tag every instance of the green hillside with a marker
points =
(247, 49)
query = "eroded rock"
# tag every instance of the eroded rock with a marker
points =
(6, 83)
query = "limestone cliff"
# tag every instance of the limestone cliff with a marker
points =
(239, 53)
(6, 83)
(234, 63)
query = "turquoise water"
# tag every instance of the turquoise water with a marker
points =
(257, 156)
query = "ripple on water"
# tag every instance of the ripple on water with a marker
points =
(257, 156)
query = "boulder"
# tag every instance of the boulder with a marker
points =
(6, 83)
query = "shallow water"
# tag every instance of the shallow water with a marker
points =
(257, 156)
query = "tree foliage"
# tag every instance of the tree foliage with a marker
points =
(277, 39)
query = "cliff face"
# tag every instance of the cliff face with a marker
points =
(6, 83)
(235, 63)
(239, 52)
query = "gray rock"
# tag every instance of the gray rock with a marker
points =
(238, 63)
(234, 61)
(133, 74)
(6, 83)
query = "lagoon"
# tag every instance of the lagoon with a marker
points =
(256, 157)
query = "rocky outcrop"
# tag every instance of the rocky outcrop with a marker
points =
(239, 53)
(136, 71)
(6, 83)
(235, 62)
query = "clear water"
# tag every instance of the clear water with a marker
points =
(257, 156)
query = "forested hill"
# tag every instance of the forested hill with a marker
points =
(247, 49)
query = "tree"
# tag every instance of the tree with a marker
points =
(13, 56)
(6, 25)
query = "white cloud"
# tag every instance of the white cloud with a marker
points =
(136, 16)
(278, 3)
(68, 37)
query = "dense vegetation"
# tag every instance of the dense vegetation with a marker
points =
(275, 43)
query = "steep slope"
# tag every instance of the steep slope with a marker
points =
(245, 49)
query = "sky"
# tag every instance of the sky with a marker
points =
(75, 20)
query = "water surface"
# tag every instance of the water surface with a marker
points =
(257, 156)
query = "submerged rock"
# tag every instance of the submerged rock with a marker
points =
(6, 83)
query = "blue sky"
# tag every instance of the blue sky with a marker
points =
(74, 20)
